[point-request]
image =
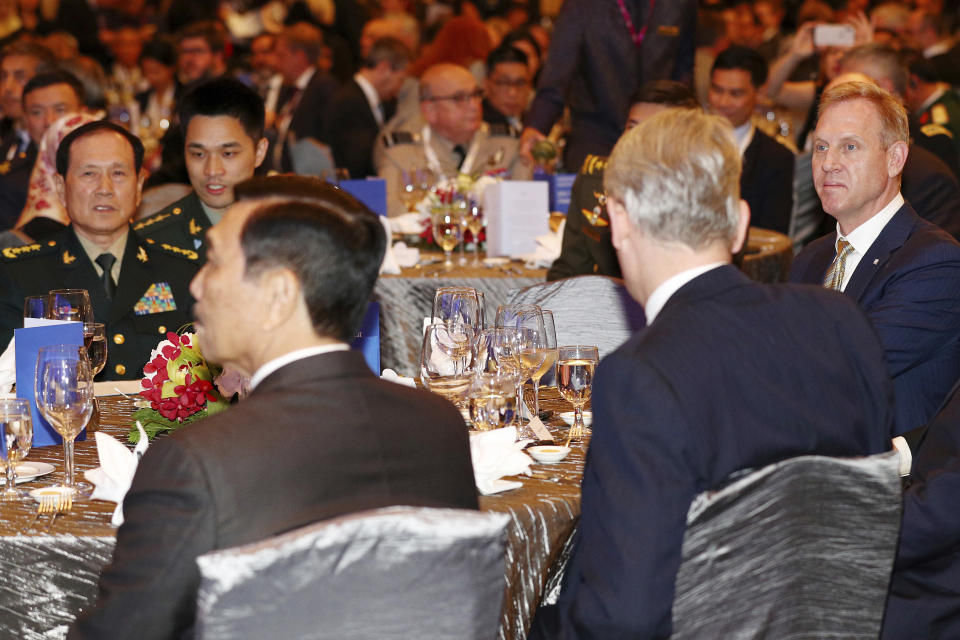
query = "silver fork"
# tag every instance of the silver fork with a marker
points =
(61, 504)
(46, 504)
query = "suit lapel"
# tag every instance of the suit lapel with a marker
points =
(894, 234)
(135, 278)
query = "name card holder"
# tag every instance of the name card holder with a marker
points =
(371, 192)
(517, 212)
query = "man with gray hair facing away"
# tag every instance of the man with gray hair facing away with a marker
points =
(728, 375)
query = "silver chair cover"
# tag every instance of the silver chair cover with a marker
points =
(799, 549)
(394, 573)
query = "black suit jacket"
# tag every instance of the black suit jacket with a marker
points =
(307, 119)
(351, 130)
(318, 438)
(132, 331)
(731, 375)
(908, 284)
(766, 182)
(14, 178)
(931, 187)
(924, 600)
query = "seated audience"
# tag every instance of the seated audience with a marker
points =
(766, 181)
(586, 248)
(902, 270)
(200, 52)
(452, 140)
(360, 107)
(507, 86)
(222, 125)
(728, 375)
(99, 183)
(295, 264)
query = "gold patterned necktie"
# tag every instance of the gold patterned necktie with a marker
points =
(834, 278)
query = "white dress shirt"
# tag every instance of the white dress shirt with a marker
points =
(298, 354)
(668, 287)
(863, 237)
(373, 98)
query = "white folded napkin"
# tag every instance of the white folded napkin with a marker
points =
(547, 251)
(8, 368)
(496, 454)
(392, 376)
(408, 224)
(111, 480)
(404, 255)
(389, 262)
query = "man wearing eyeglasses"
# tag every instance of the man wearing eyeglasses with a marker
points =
(451, 138)
(507, 87)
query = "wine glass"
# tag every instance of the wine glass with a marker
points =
(447, 233)
(95, 341)
(461, 206)
(475, 222)
(64, 396)
(16, 429)
(528, 318)
(460, 304)
(443, 360)
(70, 304)
(35, 306)
(575, 367)
(549, 346)
(493, 400)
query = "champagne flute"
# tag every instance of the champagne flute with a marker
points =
(493, 400)
(549, 346)
(16, 429)
(447, 233)
(70, 304)
(575, 367)
(445, 346)
(64, 396)
(475, 223)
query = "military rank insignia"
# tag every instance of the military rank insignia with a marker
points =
(141, 254)
(68, 258)
(194, 227)
(157, 299)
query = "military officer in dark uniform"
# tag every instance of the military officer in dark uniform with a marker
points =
(139, 288)
(587, 248)
(222, 123)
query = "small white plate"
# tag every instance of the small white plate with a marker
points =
(567, 416)
(50, 492)
(496, 262)
(27, 471)
(548, 453)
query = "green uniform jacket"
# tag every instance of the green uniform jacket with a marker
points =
(152, 295)
(182, 224)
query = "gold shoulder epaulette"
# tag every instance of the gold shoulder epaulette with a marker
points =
(189, 254)
(593, 165)
(932, 129)
(151, 221)
(15, 253)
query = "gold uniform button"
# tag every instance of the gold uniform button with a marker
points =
(120, 369)
(118, 338)
(177, 211)
(162, 330)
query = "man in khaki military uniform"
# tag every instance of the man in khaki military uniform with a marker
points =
(138, 288)
(222, 124)
(451, 138)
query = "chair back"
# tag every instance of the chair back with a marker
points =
(799, 549)
(594, 310)
(394, 573)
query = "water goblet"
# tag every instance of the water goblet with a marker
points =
(460, 304)
(575, 368)
(493, 400)
(445, 349)
(70, 304)
(16, 430)
(64, 396)
(35, 306)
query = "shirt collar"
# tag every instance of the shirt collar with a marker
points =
(864, 236)
(213, 214)
(305, 77)
(670, 286)
(744, 136)
(373, 98)
(292, 356)
(94, 250)
(936, 49)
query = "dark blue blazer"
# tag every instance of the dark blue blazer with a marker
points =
(924, 599)
(908, 284)
(731, 375)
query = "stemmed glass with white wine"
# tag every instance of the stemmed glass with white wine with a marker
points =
(575, 368)
(447, 232)
(445, 359)
(475, 222)
(16, 431)
(549, 343)
(64, 396)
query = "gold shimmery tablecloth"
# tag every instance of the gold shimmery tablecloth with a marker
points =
(50, 575)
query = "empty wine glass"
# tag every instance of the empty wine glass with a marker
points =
(70, 304)
(548, 343)
(64, 396)
(445, 352)
(458, 304)
(35, 306)
(16, 431)
(575, 367)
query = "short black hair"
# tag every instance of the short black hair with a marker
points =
(161, 49)
(665, 92)
(329, 239)
(523, 33)
(744, 59)
(55, 76)
(224, 96)
(34, 50)
(505, 54)
(209, 30)
(63, 151)
(390, 50)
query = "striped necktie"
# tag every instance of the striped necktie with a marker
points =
(834, 278)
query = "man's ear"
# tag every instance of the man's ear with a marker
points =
(61, 189)
(261, 151)
(743, 227)
(620, 225)
(281, 297)
(896, 157)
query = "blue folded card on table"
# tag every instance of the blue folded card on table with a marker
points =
(371, 192)
(561, 184)
(368, 337)
(28, 343)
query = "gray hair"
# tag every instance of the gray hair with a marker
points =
(677, 174)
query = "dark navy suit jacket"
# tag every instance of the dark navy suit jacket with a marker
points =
(766, 182)
(731, 375)
(924, 597)
(908, 284)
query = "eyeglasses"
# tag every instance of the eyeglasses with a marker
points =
(460, 98)
(518, 83)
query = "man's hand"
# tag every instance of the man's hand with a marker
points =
(528, 138)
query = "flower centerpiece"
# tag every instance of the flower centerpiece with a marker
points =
(178, 383)
(464, 191)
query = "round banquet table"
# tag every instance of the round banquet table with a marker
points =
(51, 572)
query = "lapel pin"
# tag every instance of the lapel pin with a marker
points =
(876, 261)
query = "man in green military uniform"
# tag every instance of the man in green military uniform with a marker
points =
(138, 288)
(450, 139)
(222, 123)
(933, 104)
(587, 248)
